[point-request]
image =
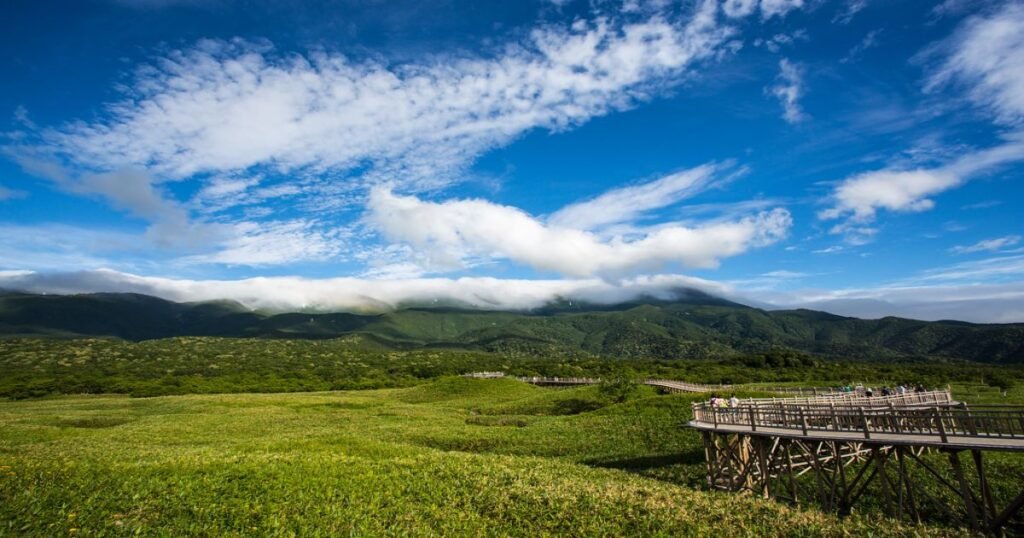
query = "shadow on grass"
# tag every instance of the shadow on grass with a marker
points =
(576, 406)
(683, 469)
(646, 463)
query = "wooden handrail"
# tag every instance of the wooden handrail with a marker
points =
(943, 422)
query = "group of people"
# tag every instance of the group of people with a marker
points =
(733, 401)
(715, 401)
(886, 391)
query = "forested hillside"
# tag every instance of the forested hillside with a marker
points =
(698, 327)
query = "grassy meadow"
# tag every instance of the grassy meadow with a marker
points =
(451, 456)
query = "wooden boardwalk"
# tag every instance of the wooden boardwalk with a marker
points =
(852, 446)
(831, 447)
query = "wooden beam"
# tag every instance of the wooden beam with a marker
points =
(965, 489)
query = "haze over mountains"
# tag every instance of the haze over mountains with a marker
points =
(696, 325)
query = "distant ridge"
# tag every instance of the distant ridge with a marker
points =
(696, 325)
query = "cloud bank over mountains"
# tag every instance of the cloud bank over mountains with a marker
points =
(930, 301)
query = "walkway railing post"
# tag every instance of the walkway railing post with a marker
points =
(753, 422)
(942, 427)
(864, 423)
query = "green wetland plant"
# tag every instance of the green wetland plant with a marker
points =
(435, 459)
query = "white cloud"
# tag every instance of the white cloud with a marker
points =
(829, 250)
(788, 90)
(768, 8)
(776, 42)
(894, 190)
(990, 245)
(446, 233)
(861, 196)
(230, 106)
(626, 204)
(987, 55)
(785, 274)
(773, 8)
(363, 295)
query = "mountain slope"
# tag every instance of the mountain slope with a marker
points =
(698, 326)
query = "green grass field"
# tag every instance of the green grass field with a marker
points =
(449, 457)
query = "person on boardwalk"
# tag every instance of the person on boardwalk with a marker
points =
(734, 402)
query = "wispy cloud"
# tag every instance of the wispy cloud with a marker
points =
(829, 250)
(11, 194)
(849, 10)
(870, 40)
(778, 41)
(134, 192)
(983, 205)
(274, 243)
(990, 245)
(978, 271)
(626, 204)
(978, 303)
(225, 107)
(788, 89)
(986, 55)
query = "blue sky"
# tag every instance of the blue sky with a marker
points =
(858, 156)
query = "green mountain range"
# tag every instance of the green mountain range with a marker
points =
(696, 326)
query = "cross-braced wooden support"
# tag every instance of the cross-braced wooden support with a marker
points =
(901, 479)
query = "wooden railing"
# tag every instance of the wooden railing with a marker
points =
(820, 395)
(484, 375)
(933, 397)
(939, 421)
(682, 386)
(799, 391)
(560, 380)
